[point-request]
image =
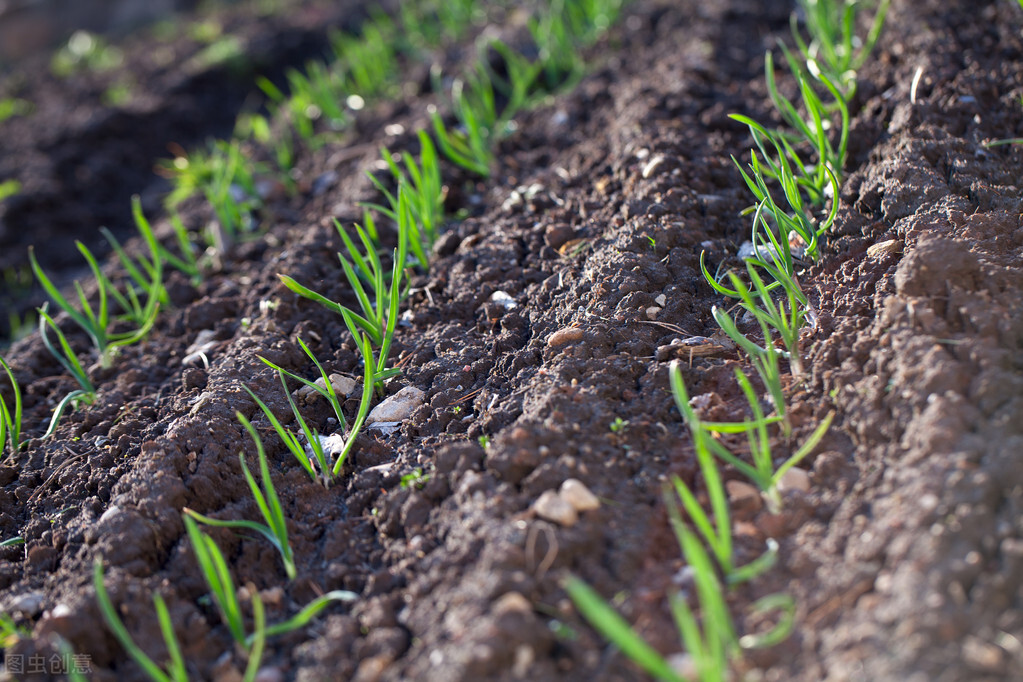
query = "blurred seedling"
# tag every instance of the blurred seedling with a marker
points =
(275, 529)
(10, 417)
(98, 322)
(834, 49)
(11, 632)
(369, 61)
(424, 191)
(11, 107)
(414, 479)
(86, 394)
(9, 188)
(85, 51)
(618, 425)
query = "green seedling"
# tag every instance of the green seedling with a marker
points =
(85, 51)
(775, 230)
(611, 625)
(618, 425)
(380, 317)
(369, 62)
(815, 130)
(480, 126)
(226, 177)
(427, 25)
(762, 471)
(484, 441)
(12, 542)
(319, 460)
(218, 578)
(327, 390)
(424, 191)
(558, 50)
(10, 417)
(316, 465)
(175, 670)
(275, 529)
(98, 322)
(786, 320)
(147, 274)
(834, 48)
(717, 534)
(69, 360)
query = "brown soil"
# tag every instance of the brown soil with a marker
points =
(905, 557)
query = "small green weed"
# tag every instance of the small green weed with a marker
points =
(10, 417)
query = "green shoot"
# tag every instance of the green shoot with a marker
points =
(368, 380)
(275, 529)
(175, 671)
(380, 315)
(369, 61)
(11, 633)
(327, 390)
(717, 534)
(834, 48)
(218, 578)
(10, 418)
(310, 611)
(97, 323)
(814, 130)
(67, 358)
(425, 193)
(146, 274)
(615, 628)
(312, 465)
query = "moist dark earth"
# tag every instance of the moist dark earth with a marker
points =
(904, 557)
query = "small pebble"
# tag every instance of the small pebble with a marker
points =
(398, 407)
(30, 603)
(794, 479)
(511, 602)
(652, 312)
(552, 507)
(578, 495)
(661, 300)
(743, 497)
(565, 336)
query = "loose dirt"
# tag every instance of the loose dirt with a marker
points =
(905, 557)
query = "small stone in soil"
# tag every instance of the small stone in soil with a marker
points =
(565, 336)
(794, 479)
(398, 407)
(552, 507)
(578, 495)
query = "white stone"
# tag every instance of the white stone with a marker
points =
(398, 407)
(552, 507)
(578, 495)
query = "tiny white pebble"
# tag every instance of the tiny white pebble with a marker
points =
(578, 495)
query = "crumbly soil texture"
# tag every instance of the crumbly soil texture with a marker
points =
(905, 554)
